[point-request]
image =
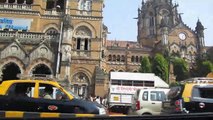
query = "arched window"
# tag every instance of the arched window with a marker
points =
(60, 3)
(110, 58)
(122, 58)
(80, 84)
(11, 1)
(50, 4)
(133, 59)
(20, 1)
(29, 2)
(114, 58)
(85, 5)
(137, 59)
(51, 31)
(84, 36)
(118, 58)
(2, 1)
(120, 71)
(141, 58)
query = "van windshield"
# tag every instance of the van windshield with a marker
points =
(203, 91)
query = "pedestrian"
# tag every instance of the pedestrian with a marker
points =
(98, 100)
(47, 92)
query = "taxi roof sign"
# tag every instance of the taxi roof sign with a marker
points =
(198, 80)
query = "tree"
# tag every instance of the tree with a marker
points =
(145, 65)
(209, 54)
(180, 68)
(205, 68)
(160, 66)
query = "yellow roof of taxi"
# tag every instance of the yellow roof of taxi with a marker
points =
(30, 80)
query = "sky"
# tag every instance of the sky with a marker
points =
(119, 17)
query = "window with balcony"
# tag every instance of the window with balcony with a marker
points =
(53, 4)
(29, 2)
(82, 40)
(85, 5)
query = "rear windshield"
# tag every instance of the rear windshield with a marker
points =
(203, 91)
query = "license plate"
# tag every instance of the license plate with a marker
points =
(166, 104)
(116, 98)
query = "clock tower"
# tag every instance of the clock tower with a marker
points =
(160, 27)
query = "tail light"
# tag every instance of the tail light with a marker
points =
(177, 106)
(137, 105)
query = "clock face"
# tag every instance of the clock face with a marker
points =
(164, 12)
(182, 36)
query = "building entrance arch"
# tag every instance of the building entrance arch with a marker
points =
(10, 71)
(41, 69)
(80, 84)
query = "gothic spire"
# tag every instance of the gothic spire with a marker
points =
(199, 28)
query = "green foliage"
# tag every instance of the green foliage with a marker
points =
(205, 68)
(180, 68)
(173, 84)
(160, 67)
(145, 65)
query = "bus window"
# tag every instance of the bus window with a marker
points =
(138, 83)
(149, 83)
(127, 83)
(116, 82)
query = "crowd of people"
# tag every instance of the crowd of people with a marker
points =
(99, 100)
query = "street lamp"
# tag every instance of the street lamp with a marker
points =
(59, 54)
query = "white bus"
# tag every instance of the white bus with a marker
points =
(123, 85)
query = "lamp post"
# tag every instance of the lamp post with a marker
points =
(59, 54)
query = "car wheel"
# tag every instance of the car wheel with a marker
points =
(130, 111)
(146, 114)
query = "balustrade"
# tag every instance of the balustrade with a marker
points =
(27, 35)
(16, 6)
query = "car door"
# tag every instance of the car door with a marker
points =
(144, 102)
(20, 98)
(51, 103)
(155, 101)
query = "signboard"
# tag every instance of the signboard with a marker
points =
(15, 23)
(124, 89)
(119, 98)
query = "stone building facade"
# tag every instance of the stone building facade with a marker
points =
(36, 34)
(66, 39)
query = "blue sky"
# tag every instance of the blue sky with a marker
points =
(119, 14)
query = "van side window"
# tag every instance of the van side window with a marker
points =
(145, 96)
(157, 96)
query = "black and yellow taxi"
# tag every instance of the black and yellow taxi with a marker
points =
(190, 96)
(28, 95)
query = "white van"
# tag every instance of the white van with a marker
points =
(148, 101)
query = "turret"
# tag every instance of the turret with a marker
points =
(164, 31)
(200, 35)
(155, 13)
